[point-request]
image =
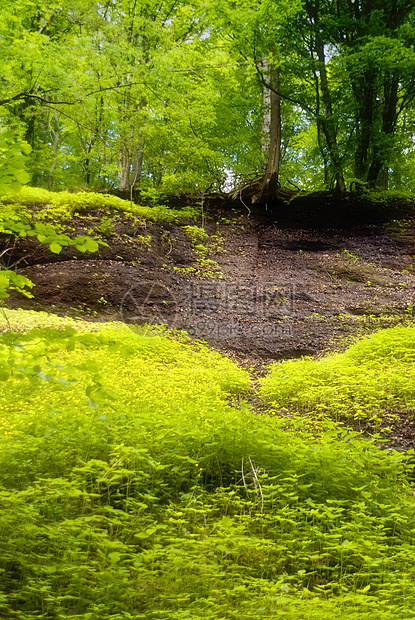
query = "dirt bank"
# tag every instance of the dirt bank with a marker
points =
(290, 283)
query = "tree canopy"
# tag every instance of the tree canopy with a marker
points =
(195, 97)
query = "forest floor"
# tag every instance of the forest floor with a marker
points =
(302, 280)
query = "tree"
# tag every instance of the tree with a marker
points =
(368, 52)
(175, 97)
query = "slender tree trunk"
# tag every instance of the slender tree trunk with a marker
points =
(30, 130)
(318, 122)
(137, 165)
(266, 116)
(364, 94)
(132, 153)
(124, 164)
(56, 134)
(381, 151)
(328, 125)
(270, 180)
(87, 163)
(385, 178)
(323, 155)
(137, 169)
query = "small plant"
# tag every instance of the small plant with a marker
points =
(186, 271)
(216, 245)
(350, 255)
(201, 250)
(144, 240)
(106, 227)
(196, 234)
(205, 267)
(208, 268)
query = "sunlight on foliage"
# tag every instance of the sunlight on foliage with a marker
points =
(13, 149)
(132, 488)
(373, 377)
(60, 206)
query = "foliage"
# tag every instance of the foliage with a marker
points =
(12, 162)
(166, 502)
(174, 98)
(25, 320)
(44, 233)
(390, 197)
(15, 221)
(196, 234)
(61, 206)
(371, 378)
(205, 267)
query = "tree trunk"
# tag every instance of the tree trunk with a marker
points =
(323, 155)
(364, 95)
(327, 121)
(124, 163)
(381, 150)
(132, 153)
(87, 165)
(266, 116)
(270, 179)
(56, 134)
(385, 178)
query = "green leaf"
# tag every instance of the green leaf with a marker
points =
(146, 533)
(26, 149)
(91, 245)
(22, 176)
(55, 247)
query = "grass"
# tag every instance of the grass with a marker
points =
(131, 488)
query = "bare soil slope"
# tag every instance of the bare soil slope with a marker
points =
(292, 282)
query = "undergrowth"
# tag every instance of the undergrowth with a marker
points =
(205, 267)
(373, 377)
(130, 488)
(61, 206)
(25, 320)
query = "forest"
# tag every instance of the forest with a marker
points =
(207, 336)
(166, 97)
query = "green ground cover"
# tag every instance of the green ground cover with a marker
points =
(61, 206)
(374, 377)
(137, 483)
